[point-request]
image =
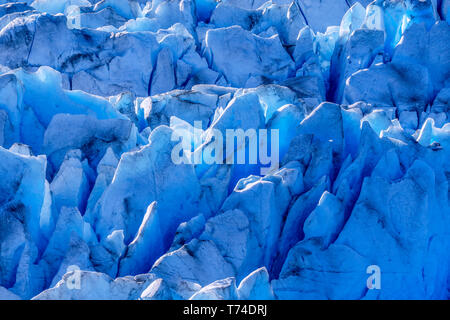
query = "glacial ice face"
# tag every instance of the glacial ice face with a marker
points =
(261, 59)
(92, 205)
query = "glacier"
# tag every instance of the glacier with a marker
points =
(92, 205)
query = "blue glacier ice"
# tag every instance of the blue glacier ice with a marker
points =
(95, 96)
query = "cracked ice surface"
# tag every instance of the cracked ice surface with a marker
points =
(360, 94)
